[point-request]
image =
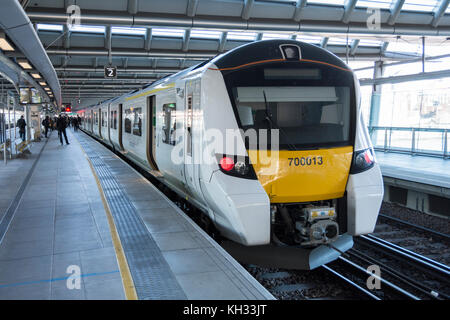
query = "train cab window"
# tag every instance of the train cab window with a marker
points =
(137, 121)
(169, 124)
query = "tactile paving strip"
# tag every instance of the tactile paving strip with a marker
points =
(152, 276)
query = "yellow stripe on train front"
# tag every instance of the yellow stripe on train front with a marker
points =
(301, 176)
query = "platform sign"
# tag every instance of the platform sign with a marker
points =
(110, 72)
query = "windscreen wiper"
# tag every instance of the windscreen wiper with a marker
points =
(271, 123)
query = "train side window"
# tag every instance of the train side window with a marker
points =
(169, 124)
(128, 116)
(115, 119)
(137, 122)
(111, 116)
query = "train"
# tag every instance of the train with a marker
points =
(267, 140)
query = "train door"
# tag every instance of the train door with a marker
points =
(100, 119)
(151, 132)
(108, 124)
(192, 155)
(120, 121)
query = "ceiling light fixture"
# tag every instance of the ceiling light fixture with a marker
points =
(24, 64)
(4, 44)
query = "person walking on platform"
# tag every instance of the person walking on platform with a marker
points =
(76, 123)
(46, 124)
(21, 124)
(51, 124)
(61, 125)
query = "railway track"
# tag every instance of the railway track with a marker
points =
(422, 277)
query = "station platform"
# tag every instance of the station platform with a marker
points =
(79, 223)
(420, 169)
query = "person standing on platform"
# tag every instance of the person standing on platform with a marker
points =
(21, 124)
(61, 125)
(46, 124)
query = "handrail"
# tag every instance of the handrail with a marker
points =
(408, 129)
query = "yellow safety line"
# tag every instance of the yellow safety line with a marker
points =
(127, 280)
(170, 85)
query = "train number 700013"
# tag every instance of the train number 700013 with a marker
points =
(308, 161)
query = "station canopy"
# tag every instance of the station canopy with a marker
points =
(147, 40)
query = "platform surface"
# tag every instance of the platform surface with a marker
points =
(60, 226)
(427, 170)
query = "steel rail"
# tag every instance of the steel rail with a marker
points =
(350, 282)
(428, 291)
(398, 290)
(415, 226)
(441, 270)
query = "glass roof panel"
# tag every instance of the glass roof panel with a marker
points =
(128, 30)
(382, 4)
(332, 2)
(370, 43)
(206, 34)
(50, 27)
(237, 35)
(88, 29)
(168, 32)
(402, 46)
(420, 5)
(339, 41)
(269, 36)
(309, 39)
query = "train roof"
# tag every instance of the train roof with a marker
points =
(271, 50)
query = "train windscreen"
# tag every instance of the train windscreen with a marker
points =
(310, 108)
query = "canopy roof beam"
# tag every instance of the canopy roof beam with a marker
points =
(396, 7)
(298, 9)
(248, 4)
(192, 8)
(349, 6)
(439, 12)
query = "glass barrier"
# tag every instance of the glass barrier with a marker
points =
(425, 141)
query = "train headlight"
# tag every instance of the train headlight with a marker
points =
(236, 166)
(241, 168)
(362, 160)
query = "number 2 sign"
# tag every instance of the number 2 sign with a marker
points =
(110, 72)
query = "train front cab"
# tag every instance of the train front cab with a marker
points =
(313, 187)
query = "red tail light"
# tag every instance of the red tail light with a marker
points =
(227, 163)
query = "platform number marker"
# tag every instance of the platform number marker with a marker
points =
(110, 72)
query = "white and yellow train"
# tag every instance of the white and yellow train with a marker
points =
(322, 187)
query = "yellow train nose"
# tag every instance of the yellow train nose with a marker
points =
(302, 176)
